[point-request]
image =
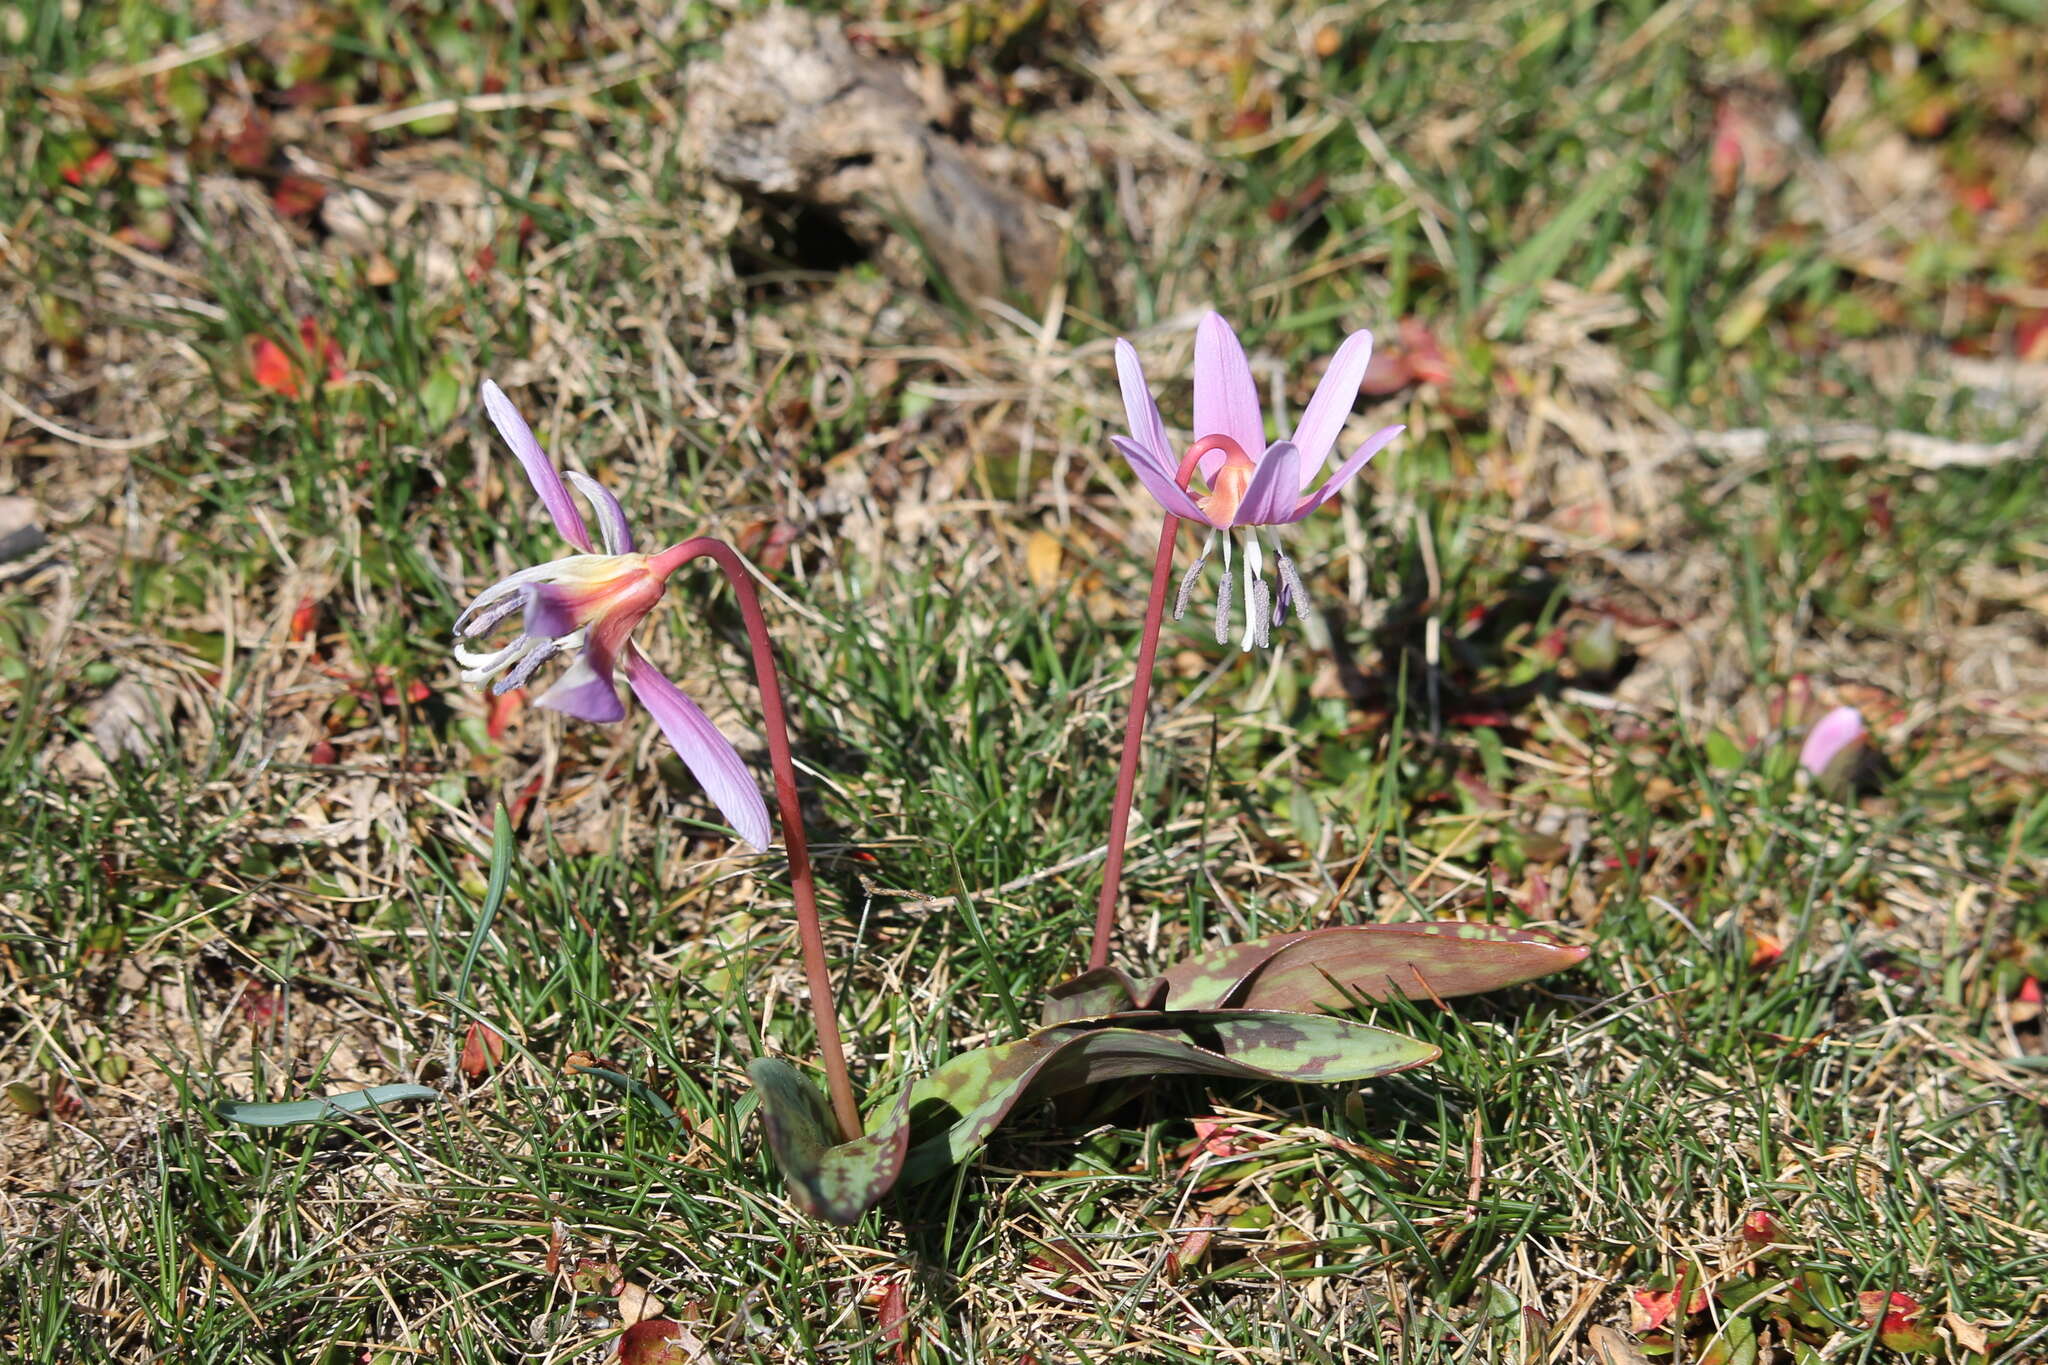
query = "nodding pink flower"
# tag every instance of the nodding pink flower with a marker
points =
(1250, 484)
(585, 606)
(1833, 735)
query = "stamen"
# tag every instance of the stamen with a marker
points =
(483, 615)
(1262, 616)
(1290, 585)
(1223, 604)
(1291, 588)
(1187, 590)
(525, 668)
(1187, 582)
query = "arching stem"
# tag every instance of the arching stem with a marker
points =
(1141, 700)
(775, 725)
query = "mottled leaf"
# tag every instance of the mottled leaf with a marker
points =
(829, 1179)
(324, 1106)
(1332, 968)
(956, 1107)
(1100, 991)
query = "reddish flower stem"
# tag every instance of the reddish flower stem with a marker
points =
(1141, 699)
(774, 723)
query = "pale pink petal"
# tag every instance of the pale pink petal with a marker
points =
(1226, 398)
(539, 469)
(586, 691)
(1147, 430)
(1830, 735)
(1359, 459)
(1159, 484)
(708, 754)
(1330, 407)
(611, 518)
(1275, 488)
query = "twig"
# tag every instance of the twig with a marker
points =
(201, 48)
(375, 119)
(118, 445)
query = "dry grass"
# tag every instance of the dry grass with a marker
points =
(1571, 631)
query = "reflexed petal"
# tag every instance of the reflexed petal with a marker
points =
(1139, 410)
(539, 469)
(1327, 411)
(1170, 495)
(708, 754)
(1359, 458)
(1275, 488)
(1226, 399)
(611, 518)
(586, 691)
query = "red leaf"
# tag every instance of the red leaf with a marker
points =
(1898, 1319)
(1762, 1230)
(1426, 358)
(2030, 336)
(92, 171)
(660, 1341)
(1724, 162)
(1764, 950)
(273, 368)
(322, 753)
(249, 148)
(503, 708)
(892, 1314)
(260, 1003)
(1192, 1251)
(1387, 372)
(1650, 1309)
(298, 196)
(482, 1051)
(304, 617)
(318, 343)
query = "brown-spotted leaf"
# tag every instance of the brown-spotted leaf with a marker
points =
(1099, 991)
(829, 1179)
(956, 1107)
(1331, 969)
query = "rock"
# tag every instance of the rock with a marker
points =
(21, 534)
(791, 111)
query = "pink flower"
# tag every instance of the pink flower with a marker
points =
(1251, 484)
(1838, 732)
(585, 606)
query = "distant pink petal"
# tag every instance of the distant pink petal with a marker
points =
(611, 518)
(1359, 459)
(1160, 485)
(539, 469)
(1275, 488)
(1139, 410)
(1830, 735)
(708, 754)
(1330, 408)
(1226, 399)
(586, 691)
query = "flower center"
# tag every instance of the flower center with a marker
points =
(1228, 484)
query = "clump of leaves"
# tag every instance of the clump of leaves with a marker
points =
(1246, 1011)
